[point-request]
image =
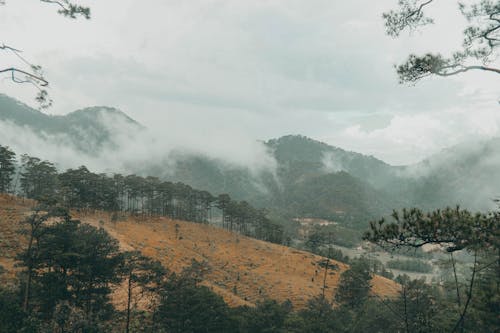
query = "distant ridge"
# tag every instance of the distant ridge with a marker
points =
(24, 115)
(88, 129)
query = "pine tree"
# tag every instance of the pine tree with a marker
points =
(7, 168)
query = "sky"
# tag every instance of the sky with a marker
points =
(211, 73)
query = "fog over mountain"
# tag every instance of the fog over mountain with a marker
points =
(106, 139)
(295, 173)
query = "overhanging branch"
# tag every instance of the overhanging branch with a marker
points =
(70, 9)
(408, 16)
(466, 69)
(31, 77)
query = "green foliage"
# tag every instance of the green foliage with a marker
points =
(38, 178)
(300, 168)
(486, 301)
(456, 228)
(70, 9)
(480, 43)
(318, 316)
(336, 234)
(142, 275)
(319, 242)
(421, 307)
(315, 240)
(187, 307)
(11, 314)
(267, 317)
(354, 285)
(335, 254)
(410, 265)
(7, 168)
(74, 263)
(337, 196)
(84, 189)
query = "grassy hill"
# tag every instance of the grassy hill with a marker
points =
(241, 269)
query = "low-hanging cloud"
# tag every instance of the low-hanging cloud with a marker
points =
(130, 147)
(331, 163)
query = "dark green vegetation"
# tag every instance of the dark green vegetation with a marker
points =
(7, 168)
(410, 265)
(476, 300)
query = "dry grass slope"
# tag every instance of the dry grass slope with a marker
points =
(242, 270)
(12, 211)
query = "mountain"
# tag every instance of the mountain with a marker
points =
(318, 180)
(311, 179)
(88, 130)
(467, 174)
(299, 155)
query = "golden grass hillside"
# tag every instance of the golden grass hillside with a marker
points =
(242, 270)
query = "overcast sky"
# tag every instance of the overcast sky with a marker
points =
(223, 71)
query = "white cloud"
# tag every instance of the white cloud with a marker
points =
(408, 139)
(207, 70)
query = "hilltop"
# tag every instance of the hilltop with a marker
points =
(88, 130)
(242, 270)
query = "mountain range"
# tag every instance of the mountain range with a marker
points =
(308, 179)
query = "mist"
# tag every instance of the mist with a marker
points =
(331, 163)
(131, 147)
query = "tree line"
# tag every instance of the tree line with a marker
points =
(148, 196)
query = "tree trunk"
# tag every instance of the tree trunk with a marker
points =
(127, 330)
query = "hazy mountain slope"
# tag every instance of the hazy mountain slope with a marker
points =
(217, 176)
(87, 130)
(298, 155)
(336, 196)
(318, 180)
(466, 174)
(303, 184)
